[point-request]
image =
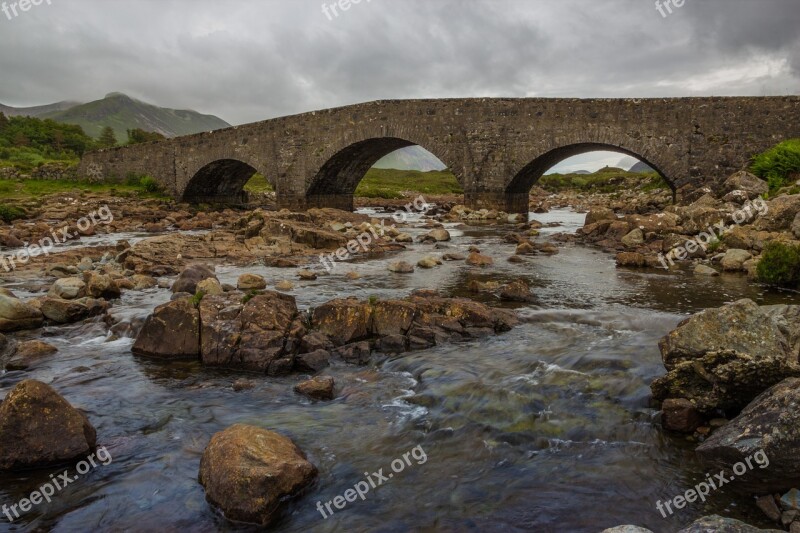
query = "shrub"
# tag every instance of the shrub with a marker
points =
(9, 213)
(149, 184)
(780, 265)
(197, 298)
(777, 164)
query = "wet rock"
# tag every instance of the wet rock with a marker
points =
(791, 500)
(352, 276)
(429, 262)
(404, 238)
(703, 270)
(734, 260)
(633, 239)
(190, 276)
(16, 315)
(307, 275)
(251, 282)
(313, 362)
(769, 507)
(358, 353)
(344, 321)
(723, 358)
(679, 414)
(284, 285)
(40, 428)
(517, 291)
(71, 311)
(101, 286)
(261, 334)
(171, 332)
(770, 423)
(437, 235)
(401, 267)
(210, 287)
(68, 289)
(317, 388)
(479, 260)
(453, 256)
(305, 233)
(631, 260)
(28, 352)
(718, 524)
(142, 282)
(627, 529)
(242, 384)
(251, 473)
(599, 214)
(525, 248)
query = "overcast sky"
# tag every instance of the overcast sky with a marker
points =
(248, 60)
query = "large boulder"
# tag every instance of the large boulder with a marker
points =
(101, 286)
(344, 321)
(171, 332)
(723, 358)
(40, 428)
(752, 186)
(770, 425)
(260, 334)
(71, 311)
(780, 214)
(16, 315)
(251, 473)
(192, 275)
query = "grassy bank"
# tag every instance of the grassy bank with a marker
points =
(607, 180)
(21, 190)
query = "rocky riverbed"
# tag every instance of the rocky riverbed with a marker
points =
(235, 377)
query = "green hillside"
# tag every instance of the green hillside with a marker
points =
(124, 113)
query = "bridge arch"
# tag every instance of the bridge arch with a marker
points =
(220, 181)
(336, 181)
(527, 176)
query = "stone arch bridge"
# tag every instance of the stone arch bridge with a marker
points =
(496, 147)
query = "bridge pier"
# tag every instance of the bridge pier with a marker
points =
(501, 201)
(302, 202)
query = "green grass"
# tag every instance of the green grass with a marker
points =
(780, 265)
(35, 189)
(258, 184)
(10, 213)
(606, 181)
(777, 164)
(390, 184)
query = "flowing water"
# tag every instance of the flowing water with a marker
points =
(546, 428)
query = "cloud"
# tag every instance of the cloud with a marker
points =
(255, 59)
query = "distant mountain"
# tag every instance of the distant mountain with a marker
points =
(581, 172)
(642, 168)
(36, 111)
(411, 158)
(123, 113)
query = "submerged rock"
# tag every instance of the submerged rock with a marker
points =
(718, 524)
(318, 388)
(40, 428)
(251, 473)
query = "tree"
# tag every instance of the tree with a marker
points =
(107, 138)
(138, 135)
(3, 122)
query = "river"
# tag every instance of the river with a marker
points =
(546, 428)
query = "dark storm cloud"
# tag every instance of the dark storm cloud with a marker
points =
(248, 60)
